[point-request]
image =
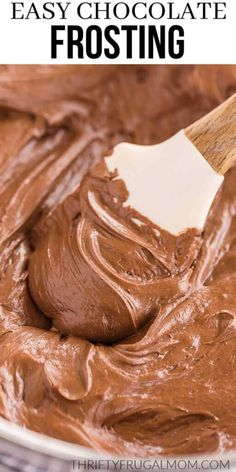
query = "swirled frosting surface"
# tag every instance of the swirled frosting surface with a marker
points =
(114, 334)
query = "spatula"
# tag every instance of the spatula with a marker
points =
(174, 183)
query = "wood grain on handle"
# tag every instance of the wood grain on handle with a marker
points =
(214, 136)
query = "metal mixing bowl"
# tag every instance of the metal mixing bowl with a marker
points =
(22, 450)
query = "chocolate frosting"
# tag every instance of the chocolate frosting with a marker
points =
(114, 333)
(99, 270)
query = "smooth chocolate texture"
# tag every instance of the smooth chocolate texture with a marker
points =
(80, 272)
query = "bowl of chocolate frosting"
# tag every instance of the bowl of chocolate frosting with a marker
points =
(116, 338)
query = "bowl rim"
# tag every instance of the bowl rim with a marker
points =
(37, 442)
(60, 449)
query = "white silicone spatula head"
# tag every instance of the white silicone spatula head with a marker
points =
(174, 183)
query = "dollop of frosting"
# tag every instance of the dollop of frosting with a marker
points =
(101, 270)
(78, 266)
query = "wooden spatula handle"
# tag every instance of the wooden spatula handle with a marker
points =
(214, 136)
